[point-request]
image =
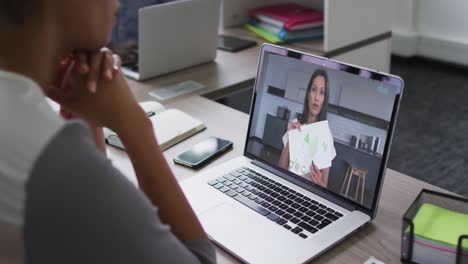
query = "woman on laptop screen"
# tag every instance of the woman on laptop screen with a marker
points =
(315, 110)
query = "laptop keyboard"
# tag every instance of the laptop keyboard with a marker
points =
(288, 208)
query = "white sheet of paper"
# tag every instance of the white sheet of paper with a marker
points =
(313, 143)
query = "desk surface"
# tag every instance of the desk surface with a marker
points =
(381, 238)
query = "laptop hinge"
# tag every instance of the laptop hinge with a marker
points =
(334, 198)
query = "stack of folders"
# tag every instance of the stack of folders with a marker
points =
(436, 234)
(286, 23)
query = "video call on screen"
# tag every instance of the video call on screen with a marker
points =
(343, 122)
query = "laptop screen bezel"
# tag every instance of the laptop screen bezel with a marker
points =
(329, 65)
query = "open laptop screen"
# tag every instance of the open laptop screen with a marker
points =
(327, 123)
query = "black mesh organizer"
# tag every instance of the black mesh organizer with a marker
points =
(420, 249)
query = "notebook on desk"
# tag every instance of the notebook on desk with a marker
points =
(171, 126)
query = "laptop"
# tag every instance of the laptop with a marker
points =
(264, 210)
(175, 35)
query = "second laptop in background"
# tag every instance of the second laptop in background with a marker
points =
(174, 36)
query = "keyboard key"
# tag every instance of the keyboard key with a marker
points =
(259, 200)
(288, 202)
(321, 211)
(292, 196)
(322, 206)
(269, 199)
(224, 189)
(298, 214)
(240, 170)
(273, 217)
(330, 210)
(235, 174)
(213, 182)
(248, 180)
(304, 236)
(229, 177)
(252, 205)
(231, 193)
(276, 202)
(245, 173)
(313, 207)
(303, 209)
(326, 221)
(281, 221)
(266, 204)
(321, 226)
(290, 210)
(308, 227)
(307, 198)
(227, 183)
(246, 193)
(218, 185)
(305, 218)
(243, 184)
(297, 230)
(306, 204)
(254, 191)
(338, 214)
(300, 195)
(283, 206)
(294, 220)
(313, 222)
(287, 216)
(331, 216)
(310, 213)
(273, 208)
(252, 196)
(292, 191)
(281, 198)
(299, 200)
(249, 188)
(318, 217)
(274, 195)
(243, 178)
(314, 202)
(280, 212)
(285, 193)
(262, 195)
(295, 205)
(221, 179)
(240, 190)
(237, 181)
(287, 227)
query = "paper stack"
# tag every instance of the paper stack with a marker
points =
(436, 234)
(286, 23)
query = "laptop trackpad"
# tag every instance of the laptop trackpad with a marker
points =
(238, 229)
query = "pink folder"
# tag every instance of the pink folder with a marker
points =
(290, 16)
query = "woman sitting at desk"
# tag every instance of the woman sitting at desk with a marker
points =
(315, 110)
(61, 200)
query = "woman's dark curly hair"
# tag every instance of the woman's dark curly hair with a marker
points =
(17, 11)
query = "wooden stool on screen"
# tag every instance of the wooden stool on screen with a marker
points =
(361, 182)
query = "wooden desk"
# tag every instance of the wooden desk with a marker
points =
(381, 238)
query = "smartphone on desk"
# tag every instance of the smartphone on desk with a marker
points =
(203, 152)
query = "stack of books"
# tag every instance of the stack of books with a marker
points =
(436, 234)
(286, 23)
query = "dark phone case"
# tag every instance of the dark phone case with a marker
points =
(240, 45)
(206, 161)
